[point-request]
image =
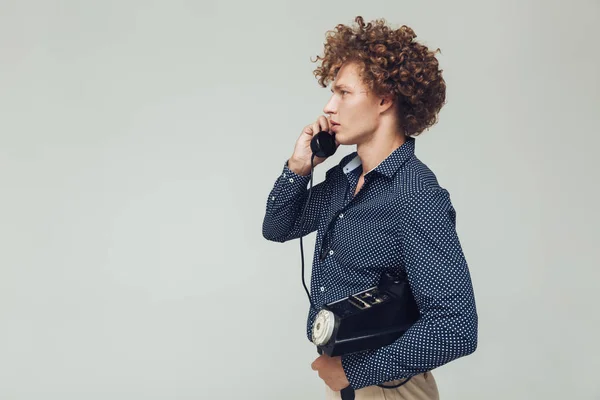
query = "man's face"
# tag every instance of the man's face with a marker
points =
(352, 106)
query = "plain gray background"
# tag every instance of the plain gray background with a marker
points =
(139, 141)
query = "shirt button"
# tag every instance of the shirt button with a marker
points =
(322, 289)
(342, 215)
(292, 180)
(330, 252)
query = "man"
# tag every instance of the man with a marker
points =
(379, 209)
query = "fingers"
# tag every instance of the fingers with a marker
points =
(315, 127)
(321, 124)
(324, 123)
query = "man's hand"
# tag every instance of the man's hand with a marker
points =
(331, 371)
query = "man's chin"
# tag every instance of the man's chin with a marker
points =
(344, 140)
(341, 139)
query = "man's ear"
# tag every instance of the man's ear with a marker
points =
(385, 103)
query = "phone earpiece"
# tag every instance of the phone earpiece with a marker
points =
(323, 144)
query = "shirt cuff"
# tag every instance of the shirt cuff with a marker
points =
(295, 181)
(351, 364)
(360, 372)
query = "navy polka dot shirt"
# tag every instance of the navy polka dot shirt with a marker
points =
(400, 219)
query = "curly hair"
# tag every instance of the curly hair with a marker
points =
(391, 64)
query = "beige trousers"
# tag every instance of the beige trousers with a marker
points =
(420, 387)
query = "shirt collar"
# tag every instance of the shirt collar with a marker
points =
(389, 165)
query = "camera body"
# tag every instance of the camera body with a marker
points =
(366, 320)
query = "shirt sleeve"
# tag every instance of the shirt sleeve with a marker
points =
(282, 221)
(441, 285)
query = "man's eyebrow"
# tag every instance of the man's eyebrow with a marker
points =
(340, 86)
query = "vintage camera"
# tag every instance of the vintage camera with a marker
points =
(367, 320)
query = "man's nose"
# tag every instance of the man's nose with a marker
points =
(329, 109)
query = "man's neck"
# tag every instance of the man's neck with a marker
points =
(378, 148)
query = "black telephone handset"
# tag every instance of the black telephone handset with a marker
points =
(323, 144)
